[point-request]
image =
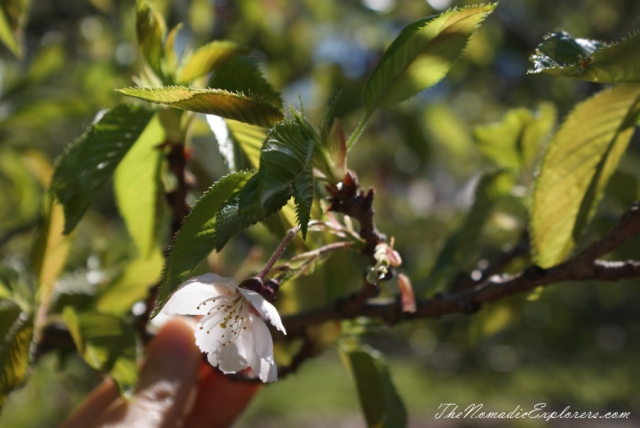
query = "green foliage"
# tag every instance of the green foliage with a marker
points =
(12, 19)
(227, 104)
(89, 162)
(380, 402)
(242, 75)
(515, 142)
(562, 55)
(138, 188)
(209, 58)
(198, 235)
(576, 169)
(106, 343)
(463, 242)
(16, 331)
(151, 29)
(249, 138)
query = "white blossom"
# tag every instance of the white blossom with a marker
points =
(231, 331)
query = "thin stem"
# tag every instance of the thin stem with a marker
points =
(356, 134)
(278, 252)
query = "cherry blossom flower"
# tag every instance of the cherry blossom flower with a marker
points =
(231, 331)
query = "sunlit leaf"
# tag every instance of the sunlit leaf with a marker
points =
(463, 242)
(16, 332)
(106, 343)
(208, 58)
(197, 236)
(89, 162)
(138, 187)
(133, 285)
(562, 55)
(170, 60)
(379, 400)
(50, 249)
(211, 101)
(576, 168)
(515, 142)
(151, 29)
(422, 54)
(243, 75)
(249, 138)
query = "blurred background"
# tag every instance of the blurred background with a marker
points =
(574, 344)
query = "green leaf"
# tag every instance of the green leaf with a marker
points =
(576, 168)
(515, 142)
(132, 286)
(422, 54)
(197, 236)
(16, 333)
(106, 343)
(89, 162)
(12, 19)
(303, 197)
(285, 154)
(151, 29)
(211, 101)
(562, 55)
(138, 187)
(249, 138)
(380, 402)
(208, 58)
(463, 242)
(50, 249)
(243, 75)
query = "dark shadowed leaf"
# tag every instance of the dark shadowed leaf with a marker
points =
(380, 402)
(576, 168)
(198, 235)
(463, 242)
(211, 101)
(562, 55)
(16, 332)
(243, 75)
(208, 58)
(89, 162)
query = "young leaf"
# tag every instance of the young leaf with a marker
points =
(421, 55)
(243, 75)
(16, 332)
(285, 154)
(208, 58)
(380, 402)
(463, 242)
(138, 187)
(576, 168)
(249, 138)
(151, 28)
(562, 55)
(88, 163)
(197, 236)
(211, 101)
(105, 342)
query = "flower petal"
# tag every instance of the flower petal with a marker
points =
(188, 298)
(259, 347)
(266, 310)
(232, 357)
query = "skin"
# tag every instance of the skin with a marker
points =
(176, 388)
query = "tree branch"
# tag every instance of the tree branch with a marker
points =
(583, 266)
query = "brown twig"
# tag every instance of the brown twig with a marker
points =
(583, 266)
